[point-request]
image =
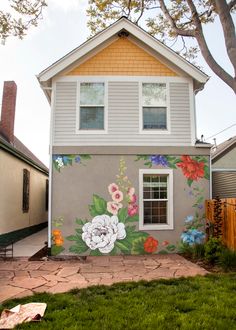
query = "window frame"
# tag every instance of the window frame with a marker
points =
(91, 131)
(158, 130)
(170, 217)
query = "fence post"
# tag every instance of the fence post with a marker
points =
(218, 221)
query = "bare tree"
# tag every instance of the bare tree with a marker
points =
(174, 22)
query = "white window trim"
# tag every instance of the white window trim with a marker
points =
(154, 131)
(170, 216)
(91, 131)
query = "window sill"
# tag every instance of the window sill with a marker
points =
(89, 132)
(151, 132)
(156, 227)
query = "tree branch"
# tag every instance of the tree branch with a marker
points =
(141, 13)
(228, 30)
(184, 33)
(216, 68)
(231, 4)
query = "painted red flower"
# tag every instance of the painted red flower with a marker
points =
(192, 169)
(150, 245)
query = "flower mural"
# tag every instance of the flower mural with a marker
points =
(102, 232)
(193, 168)
(61, 161)
(57, 237)
(111, 231)
(192, 237)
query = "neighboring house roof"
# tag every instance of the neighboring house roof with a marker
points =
(123, 24)
(19, 150)
(223, 148)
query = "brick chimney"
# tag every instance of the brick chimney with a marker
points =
(8, 110)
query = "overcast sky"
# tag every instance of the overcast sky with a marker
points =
(62, 29)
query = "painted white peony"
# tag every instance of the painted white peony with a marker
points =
(102, 232)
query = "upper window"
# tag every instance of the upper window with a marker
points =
(156, 205)
(154, 106)
(92, 106)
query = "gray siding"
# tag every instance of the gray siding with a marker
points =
(123, 117)
(224, 184)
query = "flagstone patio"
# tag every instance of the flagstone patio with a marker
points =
(21, 277)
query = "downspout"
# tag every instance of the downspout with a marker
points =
(50, 171)
(210, 169)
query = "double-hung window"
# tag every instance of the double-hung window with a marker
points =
(154, 107)
(156, 199)
(91, 106)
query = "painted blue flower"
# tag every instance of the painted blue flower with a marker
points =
(192, 236)
(190, 193)
(77, 159)
(159, 160)
(188, 219)
(65, 160)
(55, 157)
(200, 206)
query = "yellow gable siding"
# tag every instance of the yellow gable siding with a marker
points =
(123, 58)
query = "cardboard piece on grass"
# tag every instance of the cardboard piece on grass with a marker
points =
(22, 313)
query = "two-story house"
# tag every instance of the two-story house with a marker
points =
(127, 173)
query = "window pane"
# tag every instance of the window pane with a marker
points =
(91, 118)
(154, 94)
(92, 94)
(154, 186)
(154, 118)
(155, 212)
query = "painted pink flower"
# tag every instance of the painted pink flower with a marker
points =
(131, 191)
(132, 210)
(117, 196)
(165, 243)
(113, 207)
(112, 188)
(133, 199)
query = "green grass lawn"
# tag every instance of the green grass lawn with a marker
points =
(192, 303)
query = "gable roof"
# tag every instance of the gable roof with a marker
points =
(19, 150)
(123, 24)
(223, 148)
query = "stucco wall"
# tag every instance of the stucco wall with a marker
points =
(11, 190)
(76, 178)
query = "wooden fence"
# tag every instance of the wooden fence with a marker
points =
(222, 214)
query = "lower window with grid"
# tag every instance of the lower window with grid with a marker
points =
(156, 201)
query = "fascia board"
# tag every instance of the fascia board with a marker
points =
(109, 32)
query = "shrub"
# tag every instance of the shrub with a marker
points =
(213, 249)
(227, 259)
(195, 251)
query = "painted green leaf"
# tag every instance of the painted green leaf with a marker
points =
(206, 172)
(135, 218)
(80, 221)
(100, 205)
(92, 211)
(55, 250)
(79, 231)
(78, 248)
(189, 182)
(171, 248)
(123, 247)
(163, 252)
(56, 166)
(132, 234)
(200, 200)
(85, 157)
(149, 164)
(114, 251)
(73, 238)
(122, 215)
(95, 253)
(137, 246)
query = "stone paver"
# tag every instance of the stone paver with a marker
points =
(21, 277)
